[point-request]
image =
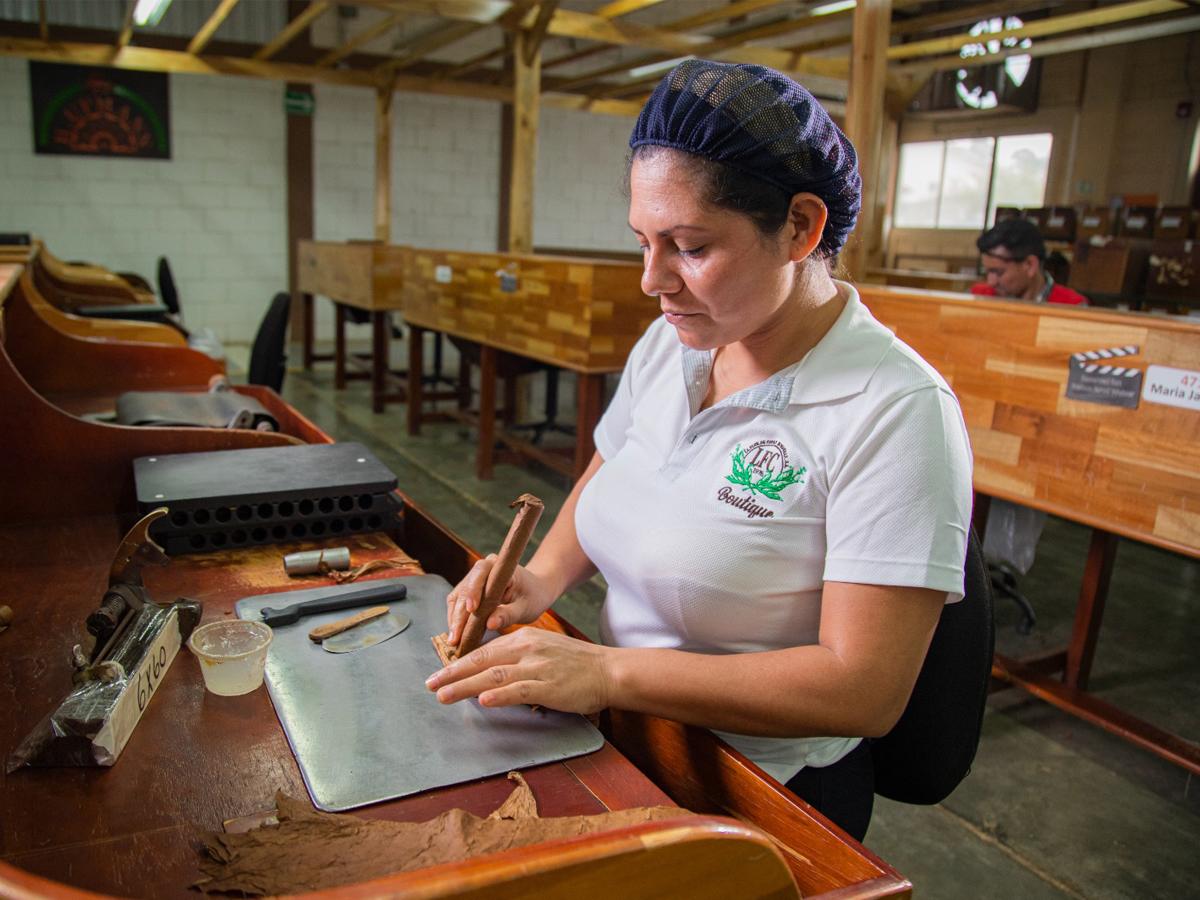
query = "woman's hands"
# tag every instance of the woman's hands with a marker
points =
(533, 666)
(526, 597)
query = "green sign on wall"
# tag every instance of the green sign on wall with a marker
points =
(299, 103)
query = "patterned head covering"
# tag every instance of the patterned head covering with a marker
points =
(761, 123)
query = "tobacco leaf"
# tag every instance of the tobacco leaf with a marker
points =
(311, 850)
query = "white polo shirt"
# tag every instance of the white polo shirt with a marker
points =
(716, 529)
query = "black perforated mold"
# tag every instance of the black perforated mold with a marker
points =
(238, 498)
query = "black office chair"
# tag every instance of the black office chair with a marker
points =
(930, 750)
(165, 312)
(268, 359)
(167, 291)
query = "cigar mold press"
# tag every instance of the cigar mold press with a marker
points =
(237, 498)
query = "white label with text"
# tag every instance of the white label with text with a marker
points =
(1174, 387)
(142, 683)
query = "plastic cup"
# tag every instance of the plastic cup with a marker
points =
(232, 654)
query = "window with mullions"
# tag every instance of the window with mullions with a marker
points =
(959, 183)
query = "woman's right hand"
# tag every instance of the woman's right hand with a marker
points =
(525, 598)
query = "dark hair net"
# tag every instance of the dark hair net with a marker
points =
(759, 122)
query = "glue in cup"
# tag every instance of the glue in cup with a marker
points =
(232, 654)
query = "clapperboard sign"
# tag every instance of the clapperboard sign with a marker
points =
(1094, 377)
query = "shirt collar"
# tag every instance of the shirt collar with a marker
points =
(1044, 296)
(839, 366)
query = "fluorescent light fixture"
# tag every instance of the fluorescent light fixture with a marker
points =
(654, 68)
(826, 9)
(149, 12)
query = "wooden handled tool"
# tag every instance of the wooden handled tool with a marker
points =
(529, 510)
(321, 632)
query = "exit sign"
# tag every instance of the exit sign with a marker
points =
(298, 103)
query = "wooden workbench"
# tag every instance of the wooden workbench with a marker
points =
(196, 760)
(582, 315)
(366, 275)
(71, 286)
(915, 278)
(1131, 473)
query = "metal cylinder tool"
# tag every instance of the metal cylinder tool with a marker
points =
(309, 562)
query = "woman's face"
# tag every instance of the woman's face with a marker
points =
(717, 278)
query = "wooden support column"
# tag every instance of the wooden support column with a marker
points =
(300, 207)
(864, 116)
(300, 217)
(383, 163)
(506, 153)
(527, 78)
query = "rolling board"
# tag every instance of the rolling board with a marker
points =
(364, 728)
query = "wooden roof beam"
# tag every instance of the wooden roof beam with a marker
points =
(904, 27)
(785, 60)
(43, 25)
(293, 29)
(732, 11)
(209, 28)
(483, 12)
(126, 34)
(572, 24)
(147, 59)
(619, 8)
(420, 45)
(470, 65)
(728, 38)
(537, 33)
(720, 14)
(1104, 15)
(568, 23)
(1111, 37)
(966, 15)
(610, 11)
(362, 38)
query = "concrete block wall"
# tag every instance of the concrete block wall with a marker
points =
(1154, 147)
(579, 200)
(216, 209)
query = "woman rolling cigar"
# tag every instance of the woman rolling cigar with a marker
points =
(781, 492)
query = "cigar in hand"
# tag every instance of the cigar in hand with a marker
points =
(529, 510)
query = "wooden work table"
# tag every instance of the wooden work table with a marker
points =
(366, 275)
(72, 286)
(1124, 472)
(581, 315)
(915, 278)
(196, 760)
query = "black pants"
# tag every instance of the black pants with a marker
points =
(844, 792)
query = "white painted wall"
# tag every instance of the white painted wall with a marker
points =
(446, 176)
(217, 209)
(579, 200)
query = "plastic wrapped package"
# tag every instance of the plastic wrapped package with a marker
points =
(91, 726)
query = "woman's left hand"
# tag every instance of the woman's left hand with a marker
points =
(533, 666)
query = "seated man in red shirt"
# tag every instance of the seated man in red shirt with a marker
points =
(1014, 257)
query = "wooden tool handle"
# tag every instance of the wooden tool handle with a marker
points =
(321, 632)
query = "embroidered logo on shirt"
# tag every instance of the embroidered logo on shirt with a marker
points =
(760, 470)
